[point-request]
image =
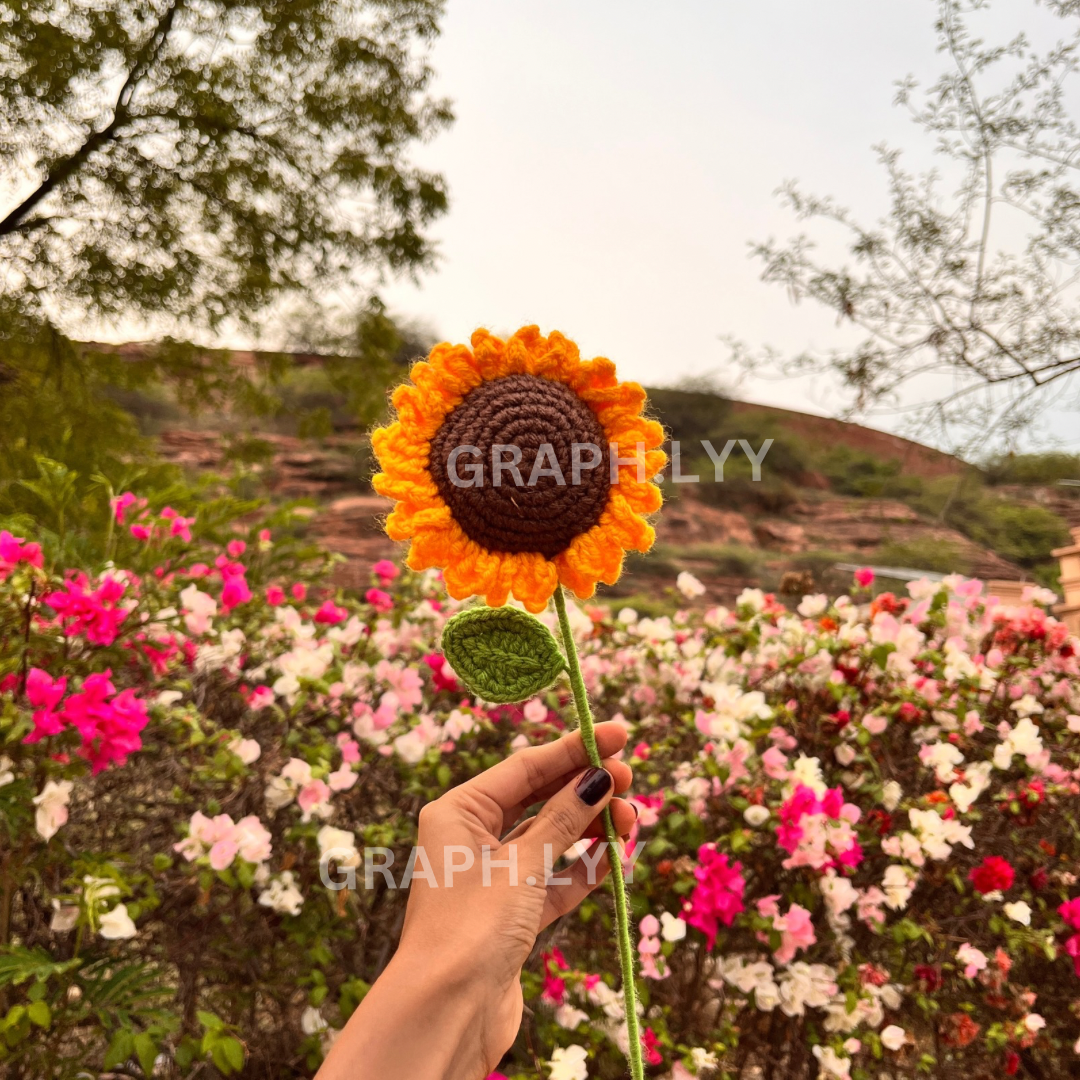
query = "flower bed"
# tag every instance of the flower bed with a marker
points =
(858, 820)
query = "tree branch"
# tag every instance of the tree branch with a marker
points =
(18, 219)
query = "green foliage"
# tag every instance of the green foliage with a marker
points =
(1024, 534)
(1045, 468)
(856, 472)
(925, 553)
(1020, 532)
(690, 415)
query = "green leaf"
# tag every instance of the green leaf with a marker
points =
(39, 1013)
(502, 654)
(120, 1049)
(146, 1051)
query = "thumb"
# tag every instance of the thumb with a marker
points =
(565, 816)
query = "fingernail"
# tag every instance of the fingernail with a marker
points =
(637, 812)
(593, 786)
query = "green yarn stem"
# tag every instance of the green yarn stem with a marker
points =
(617, 880)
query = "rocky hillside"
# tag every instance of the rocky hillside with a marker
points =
(788, 532)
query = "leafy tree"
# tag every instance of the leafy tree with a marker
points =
(196, 159)
(979, 284)
(189, 164)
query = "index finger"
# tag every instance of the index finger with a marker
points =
(516, 782)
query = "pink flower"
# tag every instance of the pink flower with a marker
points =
(96, 614)
(299, 592)
(439, 676)
(181, 527)
(236, 548)
(140, 532)
(330, 614)
(973, 960)
(109, 729)
(1070, 912)
(45, 694)
(379, 600)
(261, 697)
(223, 853)
(349, 747)
(234, 592)
(14, 551)
(718, 895)
(864, 578)
(797, 932)
(252, 839)
(314, 793)
(275, 595)
(120, 503)
(385, 571)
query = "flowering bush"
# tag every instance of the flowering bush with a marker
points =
(857, 820)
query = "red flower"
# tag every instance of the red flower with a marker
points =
(929, 976)
(650, 1041)
(1012, 1062)
(992, 874)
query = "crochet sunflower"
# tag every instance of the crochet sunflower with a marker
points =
(516, 466)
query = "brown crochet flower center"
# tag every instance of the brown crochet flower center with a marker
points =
(527, 412)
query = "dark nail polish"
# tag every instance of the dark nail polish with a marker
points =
(634, 807)
(593, 786)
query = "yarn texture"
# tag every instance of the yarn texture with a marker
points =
(502, 654)
(510, 539)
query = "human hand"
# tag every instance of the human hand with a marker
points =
(457, 970)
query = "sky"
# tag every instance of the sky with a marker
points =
(611, 160)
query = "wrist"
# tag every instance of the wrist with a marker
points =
(467, 972)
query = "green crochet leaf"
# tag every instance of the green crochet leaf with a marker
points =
(501, 654)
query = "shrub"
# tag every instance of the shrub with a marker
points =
(857, 820)
(1033, 468)
(856, 472)
(925, 554)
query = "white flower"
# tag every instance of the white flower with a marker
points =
(568, 1063)
(168, 697)
(247, 750)
(65, 916)
(337, 844)
(807, 770)
(117, 924)
(282, 895)
(672, 928)
(832, 1066)
(1027, 705)
(6, 775)
(893, 1037)
(756, 815)
(751, 598)
(703, 1059)
(52, 808)
(845, 753)
(1019, 911)
(891, 794)
(199, 608)
(567, 1016)
(689, 585)
(897, 886)
(943, 758)
(311, 1021)
(812, 606)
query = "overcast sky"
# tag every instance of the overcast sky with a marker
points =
(612, 159)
